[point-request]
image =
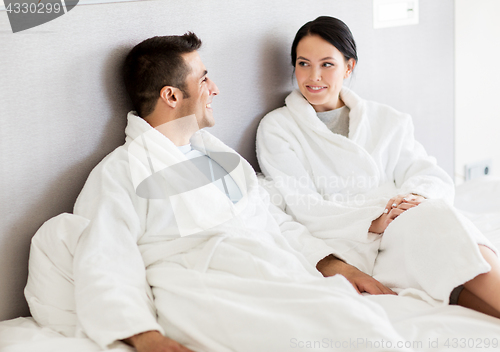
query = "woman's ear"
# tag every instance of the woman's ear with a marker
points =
(170, 96)
(351, 63)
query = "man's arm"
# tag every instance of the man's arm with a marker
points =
(362, 282)
(112, 295)
(154, 341)
(295, 233)
(320, 254)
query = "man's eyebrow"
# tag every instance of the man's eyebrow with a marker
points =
(204, 74)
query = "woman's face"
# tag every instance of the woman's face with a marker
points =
(320, 71)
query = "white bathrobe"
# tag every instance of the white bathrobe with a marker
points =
(224, 276)
(336, 186)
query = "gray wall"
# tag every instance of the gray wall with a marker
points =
(62, 107)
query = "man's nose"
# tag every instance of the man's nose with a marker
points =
(213, 88)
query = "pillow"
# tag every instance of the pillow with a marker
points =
(50, 290)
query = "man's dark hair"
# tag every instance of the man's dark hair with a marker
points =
(154, 64)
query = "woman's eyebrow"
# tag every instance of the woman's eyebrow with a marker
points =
(323, 59)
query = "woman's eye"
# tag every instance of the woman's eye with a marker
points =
(327, 64)
(302, 63)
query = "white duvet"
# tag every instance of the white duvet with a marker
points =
(421, 327)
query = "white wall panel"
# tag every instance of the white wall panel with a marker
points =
(477, 76)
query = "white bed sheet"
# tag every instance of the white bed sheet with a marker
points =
(424, 327)
(25, 335)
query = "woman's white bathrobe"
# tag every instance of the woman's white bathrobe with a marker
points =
(336, 186)
(224, 277)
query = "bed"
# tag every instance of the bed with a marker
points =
(424, 326)
(49, 145)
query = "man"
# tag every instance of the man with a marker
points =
(177, 215)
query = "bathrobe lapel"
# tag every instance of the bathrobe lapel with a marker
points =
(340, 150)
(195, 208)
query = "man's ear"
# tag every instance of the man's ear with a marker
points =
(170, 96)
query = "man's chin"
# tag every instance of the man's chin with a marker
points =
(210, 122)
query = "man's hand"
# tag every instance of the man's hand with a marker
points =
(362, 282)
(153, 341)
(395, 207)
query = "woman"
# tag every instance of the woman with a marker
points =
(347, 168)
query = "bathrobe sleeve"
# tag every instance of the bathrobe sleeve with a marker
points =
(296, 234)
(416, 172)
(111, 291)
(343, 226)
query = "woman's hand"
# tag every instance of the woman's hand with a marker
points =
(410, 198)
(362, 282)
(395, 207)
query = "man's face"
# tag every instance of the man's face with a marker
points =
(201, 91)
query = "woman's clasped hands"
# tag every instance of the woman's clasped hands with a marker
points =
(395, 207)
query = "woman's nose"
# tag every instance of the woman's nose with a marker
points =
(315, 75)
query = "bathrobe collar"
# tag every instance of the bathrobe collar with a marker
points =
(307, 119)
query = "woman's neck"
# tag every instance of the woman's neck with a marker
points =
(337, 105)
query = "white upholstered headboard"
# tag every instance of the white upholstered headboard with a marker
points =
(62, 105)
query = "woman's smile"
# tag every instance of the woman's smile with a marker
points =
(315, 89)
